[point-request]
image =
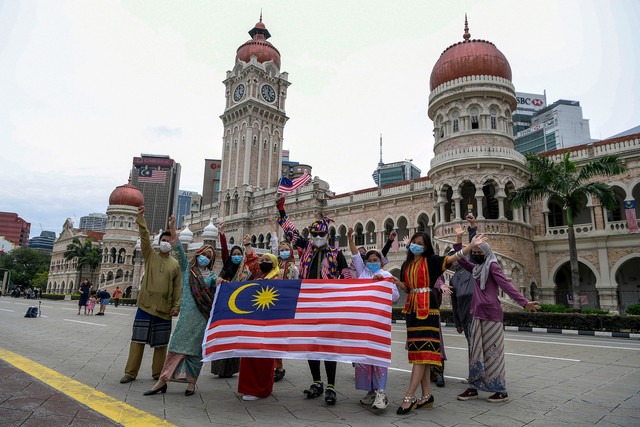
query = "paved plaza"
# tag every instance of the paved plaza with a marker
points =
(552, 380)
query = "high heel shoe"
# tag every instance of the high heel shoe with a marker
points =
(426, 401)
(412, 405)
(151, 392)
(188, 392)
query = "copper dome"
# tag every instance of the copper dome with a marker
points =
(127, 195)
(469, 58)
(259, 46)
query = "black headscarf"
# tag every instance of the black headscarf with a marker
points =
(229, 269)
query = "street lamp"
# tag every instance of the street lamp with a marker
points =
(5, 282)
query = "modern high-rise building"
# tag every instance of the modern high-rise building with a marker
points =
(188, 202)
(211, 184)
(94, 221)
(14, 228)
(158, 177)
(528, 105)
(559, 125)
(391, 173)
(43, 241)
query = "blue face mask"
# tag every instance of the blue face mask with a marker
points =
(203, 261)
(373, 266)
(416, 249)
(236, 259)
(285, 254)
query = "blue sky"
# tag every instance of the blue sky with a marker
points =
(87, 85)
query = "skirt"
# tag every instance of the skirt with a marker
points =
(486, 364)
(370, 377)
(256, 377)
(150, 329)
(225, 368)
(423, 339)
(181, 368)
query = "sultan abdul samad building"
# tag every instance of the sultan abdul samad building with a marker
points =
(475, 167)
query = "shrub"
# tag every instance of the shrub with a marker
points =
(633, 309)
(593, 311)
(554, 308)
(55, 297)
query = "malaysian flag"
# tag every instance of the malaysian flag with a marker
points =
(152, 175)
(341, 320)
(630, 213)
(288, 186)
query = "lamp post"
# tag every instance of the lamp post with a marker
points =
(5, 280)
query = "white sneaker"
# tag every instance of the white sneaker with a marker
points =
(369, 398)
(249, 397)
(380, 401)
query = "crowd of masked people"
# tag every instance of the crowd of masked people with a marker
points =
(186, 286)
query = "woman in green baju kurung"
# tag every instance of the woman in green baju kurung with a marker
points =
(183, 362)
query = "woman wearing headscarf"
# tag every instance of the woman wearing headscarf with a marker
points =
(486, 360)
(234, 269)
(256, 374)
(419, 272)
(183, 363)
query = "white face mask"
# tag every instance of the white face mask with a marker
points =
(320, 241)
(165, 247)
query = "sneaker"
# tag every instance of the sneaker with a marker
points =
(369, 398)
(330, 396)
(440, 381)
(314, 390)
(380, 401)
(498, 397)
(468, 394)
(249, 397)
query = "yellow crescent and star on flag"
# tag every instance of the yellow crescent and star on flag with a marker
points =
(263, 299)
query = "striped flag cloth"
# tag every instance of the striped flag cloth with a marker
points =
(288, 186)
(340, 320)
(630, 214)
(152, 175)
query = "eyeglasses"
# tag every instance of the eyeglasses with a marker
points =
(318, 234)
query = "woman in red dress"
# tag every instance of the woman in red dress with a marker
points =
(256, 374)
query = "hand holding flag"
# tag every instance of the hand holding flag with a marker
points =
(288, 186)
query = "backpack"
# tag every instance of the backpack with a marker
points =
(31, 312)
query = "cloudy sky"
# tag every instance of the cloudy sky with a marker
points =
(87, 85)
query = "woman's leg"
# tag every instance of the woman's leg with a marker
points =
(417, 375)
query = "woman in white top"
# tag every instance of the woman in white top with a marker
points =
(371, 378)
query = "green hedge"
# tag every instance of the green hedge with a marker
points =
(574, 321)
(633, 309)
(52, 296)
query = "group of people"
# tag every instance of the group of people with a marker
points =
(187, 287)
(89, 298)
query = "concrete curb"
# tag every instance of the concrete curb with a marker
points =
(627, 335)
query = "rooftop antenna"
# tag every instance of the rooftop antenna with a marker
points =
(380, 162)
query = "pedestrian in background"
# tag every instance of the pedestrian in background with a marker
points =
(117, 293)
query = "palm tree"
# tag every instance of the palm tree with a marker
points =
(85, 253)
(565, 182)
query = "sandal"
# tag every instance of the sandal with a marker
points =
(426, 401)
(412, 401)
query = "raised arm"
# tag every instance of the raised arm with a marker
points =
(224, 249)
(274, 236)
(356, 258)
(290, 231)
(145, 243)
(462, 253)
(387, 246)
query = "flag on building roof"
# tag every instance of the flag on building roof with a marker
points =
(341, 320)
(152, 175)
(288, 186)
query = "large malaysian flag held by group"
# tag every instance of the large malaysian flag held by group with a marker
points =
(341, 320)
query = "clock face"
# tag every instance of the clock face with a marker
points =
(238, 93)
(268, 93)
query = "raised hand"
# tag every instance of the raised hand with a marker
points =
(393, 235)
(458, 230)
(141, 211)
(477, 239)
(350, 233)
(221, 227)
(172, 221)
(406, 240)
(246, 240)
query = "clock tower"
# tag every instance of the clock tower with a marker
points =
(253, 120)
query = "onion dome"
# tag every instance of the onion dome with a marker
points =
(259, 46)
(186, 235)
(210, 232)
(469, 58)
(128, 195)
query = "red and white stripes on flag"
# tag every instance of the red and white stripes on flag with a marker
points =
(289, 186)
(153, 175)
(340, 320)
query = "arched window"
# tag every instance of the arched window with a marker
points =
(475, 118)
(494, 118)
(227, 205)
(236, 198)
(456, 121)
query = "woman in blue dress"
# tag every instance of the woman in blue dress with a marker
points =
(85, 289)
(183, 362)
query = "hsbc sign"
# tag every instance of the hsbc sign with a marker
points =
(531, 101)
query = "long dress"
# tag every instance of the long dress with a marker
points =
(421, 309)
(256, 374)
(183, 362)
(84, 295)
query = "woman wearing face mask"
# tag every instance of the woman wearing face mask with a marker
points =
(371, 378)
(183, 363)
(256, 374)
(419, 273)
(486, 360)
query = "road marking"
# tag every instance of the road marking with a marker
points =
(86, 323)
(577, 345)
(4, 309)
(104, 404)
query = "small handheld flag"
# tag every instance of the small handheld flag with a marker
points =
(289, 186)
